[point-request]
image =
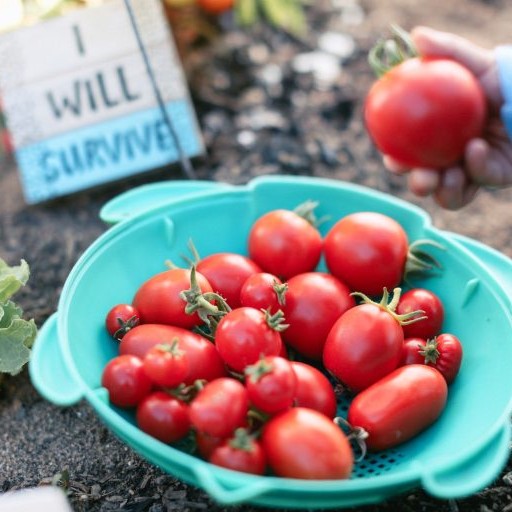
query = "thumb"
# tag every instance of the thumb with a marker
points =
(433, 43)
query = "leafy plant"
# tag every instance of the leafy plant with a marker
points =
(16, 334)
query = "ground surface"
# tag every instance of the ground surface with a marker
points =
(259, 115)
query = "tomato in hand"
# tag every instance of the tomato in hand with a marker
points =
(263, 291)
(303, 443)
(120, 319)
(443, 352)
(158, 299)
(313, 389)
(204, 361)
(245, 334)
(220, 407)
(163, 417)
(126, 381)
(367, 251)
(166, 364)
(271, 384)
(430, 303)
(284, 243)
(424, 111)
(399, 406)
(314, 301)
(240, 453)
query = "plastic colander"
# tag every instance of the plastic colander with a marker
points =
(457, 456)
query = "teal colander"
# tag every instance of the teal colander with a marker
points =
(458, 456)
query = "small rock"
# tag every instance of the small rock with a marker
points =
(338, 44)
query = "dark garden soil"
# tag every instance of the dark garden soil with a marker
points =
(265, 106)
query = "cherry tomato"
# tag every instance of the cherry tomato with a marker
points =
(430, 303)
(204, 361)
(263, 291)
(244, 335)
(159, 302)
(285, 244)
(215, 7)
(364, 345)
(220, 407)
(227, 272)
(271, 384)
(120, 319)
(399, 406)
(163, 417)
(444, 352)
(313, 389)
(303, 443)
(166, 365)
(367, 251)
(240, 453)
(424, 111)
(314, 301)
(126, 381)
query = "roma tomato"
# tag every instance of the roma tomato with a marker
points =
(220, 407)
(120, 319)
(271, 384)
(443, 352)
(166, 365)
(263, 291)
(399, 406)
(424, 111)
(204, 361)
(367, 251)
(365, 344)
(158, 299)
(303, 443)
(245, 334)
(313, 389)
(430, 303)
(126, 381)
(284, 243)
(314, 301)
(226, 273)
(163, 417)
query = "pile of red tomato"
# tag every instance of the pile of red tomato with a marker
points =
(246, 354)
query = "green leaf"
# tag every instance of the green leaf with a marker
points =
(8, 312)
(12, 278)
(286, 14)
(246, 12)
(15, 343)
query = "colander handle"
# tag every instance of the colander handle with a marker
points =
(47, 369)
(146, 197)
(472, 475)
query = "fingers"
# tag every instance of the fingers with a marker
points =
(432, 42)
(423, 182)
(454, 190)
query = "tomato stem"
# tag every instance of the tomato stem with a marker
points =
(419, 261)
(275, 321)
(356, 434)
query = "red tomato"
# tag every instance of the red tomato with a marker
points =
(303, 443)
(367, 251)
(314, 301)
(363, 346)
(240, 453)
(314, 390)
(285, 244)
(163, 417)
(205, 444)
(430, 303)
(424, 111)
(244, 335)
(125, 380)
(226, 273)
(215, 7)
(220, 407)
(263, 291)
(204, 361)
(120, 319)
(166, 365)
(444, 352)
(159, 302)
(271, 384)
(399, 406)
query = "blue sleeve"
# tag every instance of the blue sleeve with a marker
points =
(504, 60)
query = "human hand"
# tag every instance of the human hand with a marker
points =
(487, 160)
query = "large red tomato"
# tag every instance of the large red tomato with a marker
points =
(424, 111)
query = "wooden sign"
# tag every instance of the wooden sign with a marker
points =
(80, 104)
